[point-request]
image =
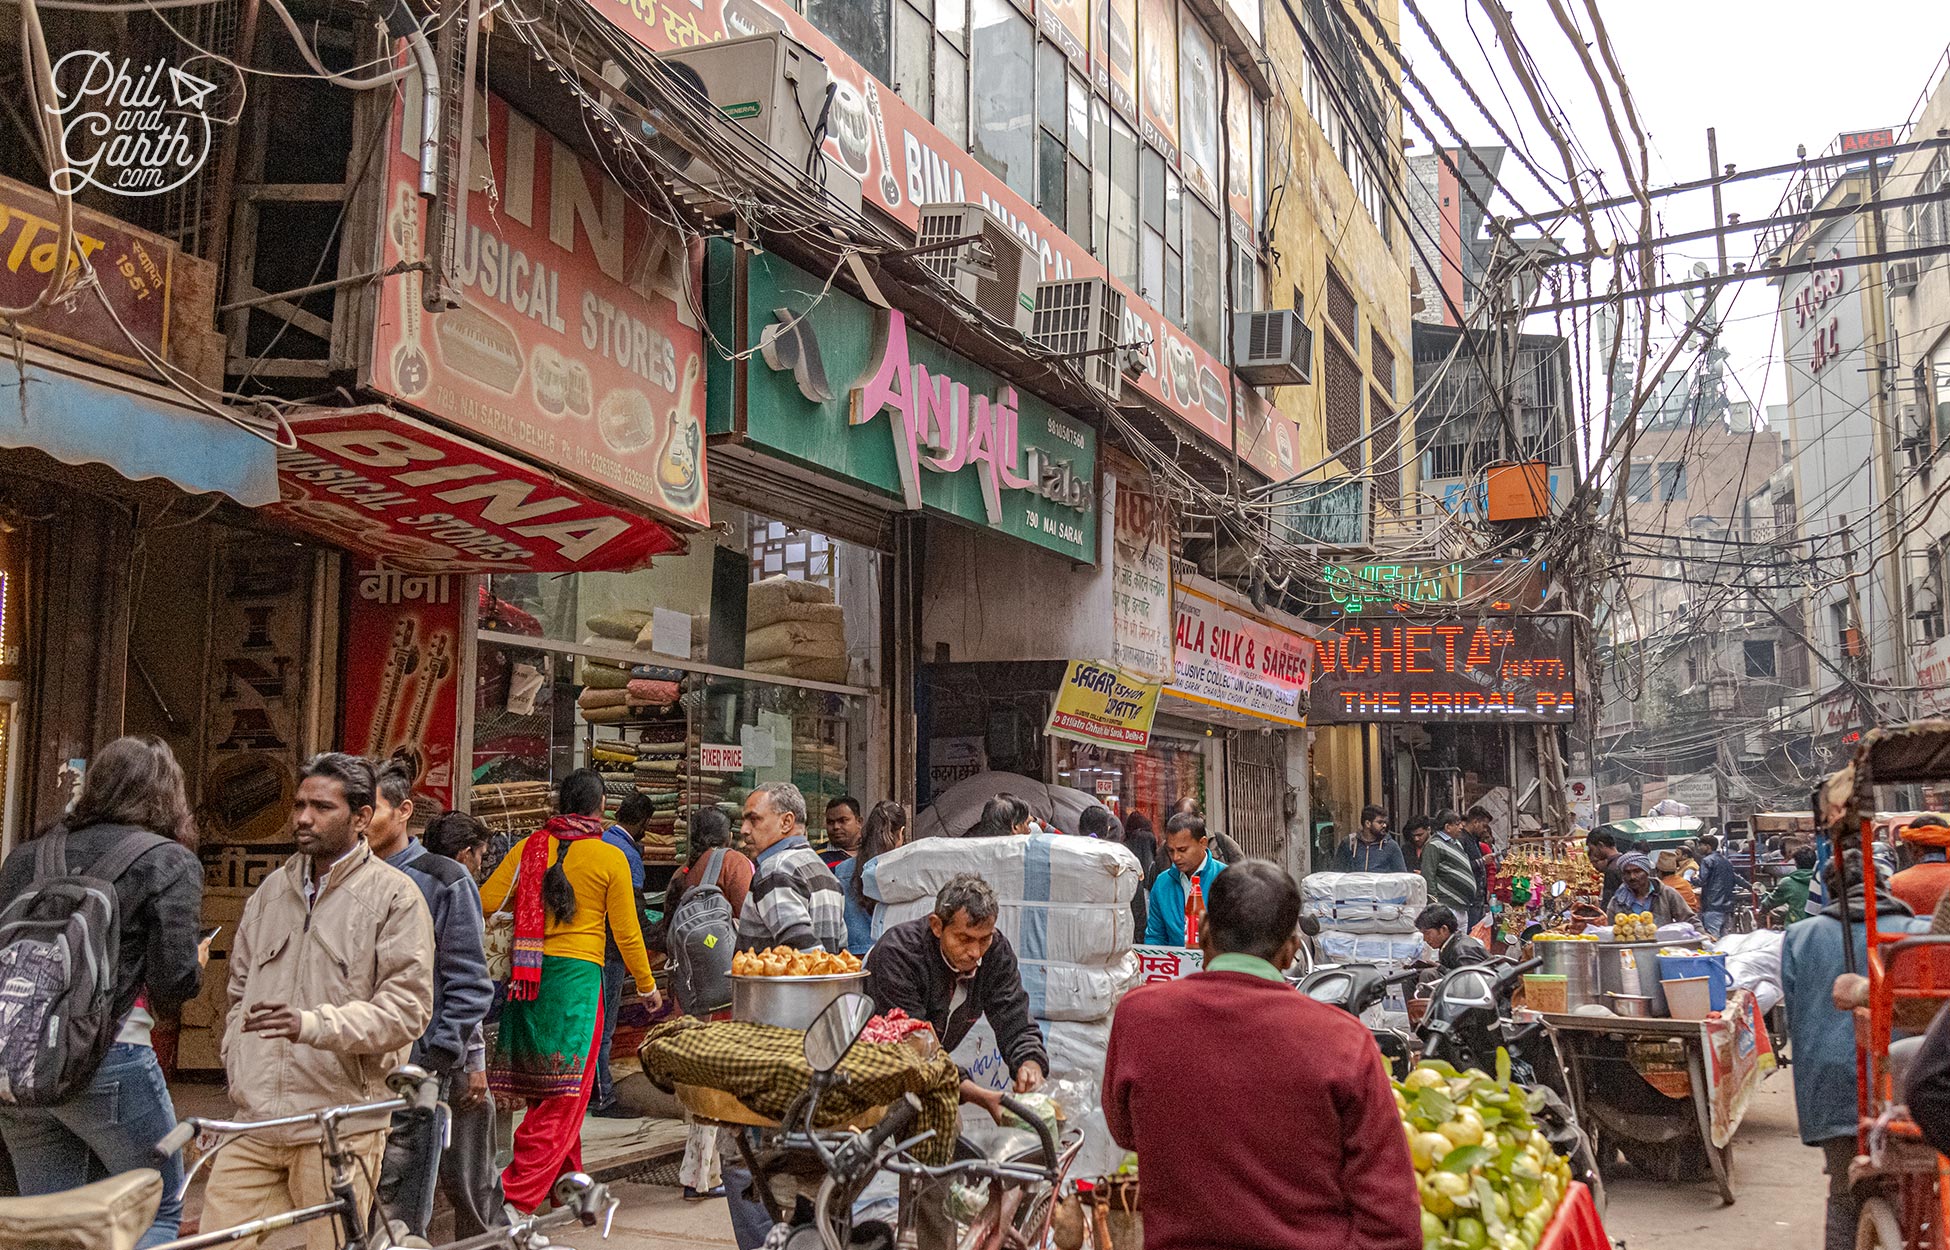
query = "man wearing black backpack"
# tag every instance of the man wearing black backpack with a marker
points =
(93, 1096)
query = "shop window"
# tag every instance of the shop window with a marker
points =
(1077, 121)
(1003, 50)
(1148, 781)
(1759, 657)
(859, 27)
(778, 550)
(700, 607)
(951, 92)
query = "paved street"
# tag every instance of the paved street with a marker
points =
(1778, 1181)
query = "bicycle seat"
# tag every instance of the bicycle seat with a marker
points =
(107, 1215)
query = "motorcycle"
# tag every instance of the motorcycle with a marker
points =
(812, 1179)
(1468, 1021)
(1357, 988)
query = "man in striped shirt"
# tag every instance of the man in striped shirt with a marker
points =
(795, 900)
(1447, 868)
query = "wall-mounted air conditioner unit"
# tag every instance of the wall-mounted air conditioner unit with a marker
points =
(773, 90)
(1273, 348)
(1083, 318)
(975, 252)
(1901, 276)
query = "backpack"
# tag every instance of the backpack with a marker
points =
(60, 941)
(703, 936)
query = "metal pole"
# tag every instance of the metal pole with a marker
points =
(1719, 215)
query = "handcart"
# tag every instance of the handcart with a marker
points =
(1668, 1094)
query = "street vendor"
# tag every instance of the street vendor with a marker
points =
(951, 968)
(1641, 891)
(1443, 932)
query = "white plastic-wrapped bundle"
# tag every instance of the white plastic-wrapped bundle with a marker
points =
(1092, 934)
(1042, 868)
(1370, 948)
(1364, 902)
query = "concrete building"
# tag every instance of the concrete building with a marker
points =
(1919, 377)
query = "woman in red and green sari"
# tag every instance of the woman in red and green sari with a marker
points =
(570, 889)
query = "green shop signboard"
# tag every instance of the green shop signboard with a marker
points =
(850, 391)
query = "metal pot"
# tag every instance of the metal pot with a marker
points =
(1629, 1005)
(790, 1002)
(1631, 968)
(1577, 963)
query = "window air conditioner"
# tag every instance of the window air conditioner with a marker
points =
(1084, 315)
(771, 91)
(1273, 348)
(1901, 276)
(997, 272)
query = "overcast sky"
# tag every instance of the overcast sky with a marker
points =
(1767, 76)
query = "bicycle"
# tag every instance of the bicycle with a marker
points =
(578, 1198)
(1022, 1181)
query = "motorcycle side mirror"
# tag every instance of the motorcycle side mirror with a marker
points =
(833, 1032)
(1557, 889)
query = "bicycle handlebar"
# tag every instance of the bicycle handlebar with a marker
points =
(188, 1129)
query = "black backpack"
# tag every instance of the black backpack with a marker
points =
(60, 942)
(703, 936)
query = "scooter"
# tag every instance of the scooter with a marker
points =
(1468, 1021)
(1355, 989)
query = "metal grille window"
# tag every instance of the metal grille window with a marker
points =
(1343, 395)
(1381, 362)
(1387, 455)
(1256, 792)
(1342, 309)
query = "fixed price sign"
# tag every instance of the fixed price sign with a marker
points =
(1520, 668)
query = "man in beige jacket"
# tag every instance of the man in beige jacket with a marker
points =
(331, 981)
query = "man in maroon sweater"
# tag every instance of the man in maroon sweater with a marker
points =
(1262, 1120)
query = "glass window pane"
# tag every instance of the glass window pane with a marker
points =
(1174, 305)
(1151, 188)
(1052, 176)
(1198, 105)
(1099, 177)
(1079, 116)
(924, 7)
(1078, 226)
(859, 27)
(1052, 88)
(1151, 270)
(1204, 279)
(1003, 50)
(1259, 166)
(1174, 211)
(951, 92)
(951, 19)
(1123, 202)
(913, 59)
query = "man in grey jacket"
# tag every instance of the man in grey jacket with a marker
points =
(462, 994)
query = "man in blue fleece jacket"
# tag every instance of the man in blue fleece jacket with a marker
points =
(462, 994)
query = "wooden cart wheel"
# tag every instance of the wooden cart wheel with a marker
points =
(1878, 1228)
